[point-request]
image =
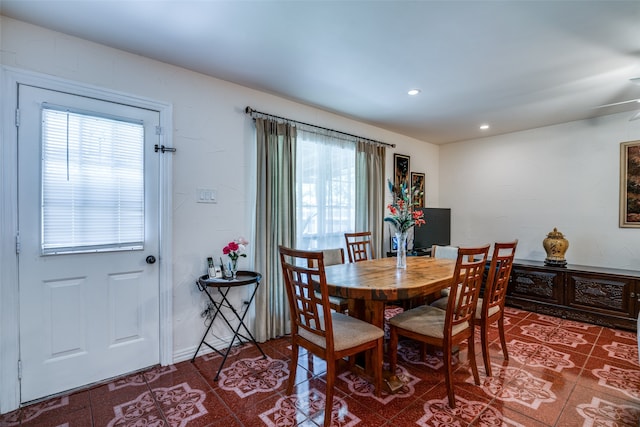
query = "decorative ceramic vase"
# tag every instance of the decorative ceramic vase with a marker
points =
(556, 246)
(401, 256)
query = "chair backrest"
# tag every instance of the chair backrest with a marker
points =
(448, 252)
(330, 256)
(333, 256)
(303, 272)
(495, 290)
(463, 299)
(359, 246)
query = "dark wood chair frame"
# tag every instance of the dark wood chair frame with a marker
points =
(359, 246)
(467, 281)
(495, 293)
(308, 312)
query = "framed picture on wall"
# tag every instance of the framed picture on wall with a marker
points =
(400, 172)
(417, 188)
(630, 184)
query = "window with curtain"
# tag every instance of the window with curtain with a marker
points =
(325, 190)
(92, 182)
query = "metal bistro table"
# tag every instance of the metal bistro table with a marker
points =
(223, 286)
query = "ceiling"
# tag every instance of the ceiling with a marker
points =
(512, 64)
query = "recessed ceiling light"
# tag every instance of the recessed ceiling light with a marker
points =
(484, 126)
(414, 92)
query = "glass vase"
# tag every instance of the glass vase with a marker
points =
(234, 268)
(401, 256)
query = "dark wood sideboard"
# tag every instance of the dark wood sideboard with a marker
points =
(602, 296)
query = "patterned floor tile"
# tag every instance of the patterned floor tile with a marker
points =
(560, 373)
(497, 415)
(536, 395)
(609, 334)
(604, 376)
(616, 349)
(564, 339)
(584, 408)
(581, 327)
(533, 331)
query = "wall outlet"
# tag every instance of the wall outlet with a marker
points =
(206, 195)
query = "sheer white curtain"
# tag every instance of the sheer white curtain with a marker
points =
(325, 189)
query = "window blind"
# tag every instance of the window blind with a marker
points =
(92, 182)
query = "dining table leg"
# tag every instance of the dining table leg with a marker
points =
(371, 311)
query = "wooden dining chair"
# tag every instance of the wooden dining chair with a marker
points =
(446, 328)
(359, 246)
(490, 307)
(495, 294)
(333, 257)
(327, 334)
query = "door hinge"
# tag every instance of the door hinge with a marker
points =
(17, 117)
(158, 130)
(18, 244)
(19, 369)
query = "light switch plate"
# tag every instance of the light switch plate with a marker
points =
(206, 195)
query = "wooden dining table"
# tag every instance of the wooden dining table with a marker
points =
(369, 285)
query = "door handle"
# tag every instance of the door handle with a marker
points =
(151, 259)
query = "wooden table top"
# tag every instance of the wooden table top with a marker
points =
(380, 280)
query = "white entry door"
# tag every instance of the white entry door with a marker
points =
(88, 229)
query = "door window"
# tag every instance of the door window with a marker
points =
(92, 182)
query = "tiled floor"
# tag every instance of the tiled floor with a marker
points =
(560, 373)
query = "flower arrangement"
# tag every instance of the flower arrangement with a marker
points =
(402, 215)
(236, 249)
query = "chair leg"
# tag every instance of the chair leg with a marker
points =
(393, 349)
(484, 339)
(503, 341)
(328, 403)
(472, 359)
(448, 374)
(293, 364)
(377, 363)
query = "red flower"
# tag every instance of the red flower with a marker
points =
(235, 249)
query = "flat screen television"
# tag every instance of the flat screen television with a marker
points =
(436, 231)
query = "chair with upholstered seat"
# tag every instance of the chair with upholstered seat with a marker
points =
(359, 246)
(447, 252)
(327, 334)
(490, 307)
(333, 257)
(446, 328)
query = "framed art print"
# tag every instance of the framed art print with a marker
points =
(417, 189)
(400, 172)
(630, 184)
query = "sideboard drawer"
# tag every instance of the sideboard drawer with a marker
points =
(605, 294)
(544, 286)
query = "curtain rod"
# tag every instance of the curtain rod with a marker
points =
(251, 112)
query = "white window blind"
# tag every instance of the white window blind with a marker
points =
(325, 186)
(92, 182)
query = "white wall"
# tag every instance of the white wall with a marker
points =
(214, 141)
(522, 185)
